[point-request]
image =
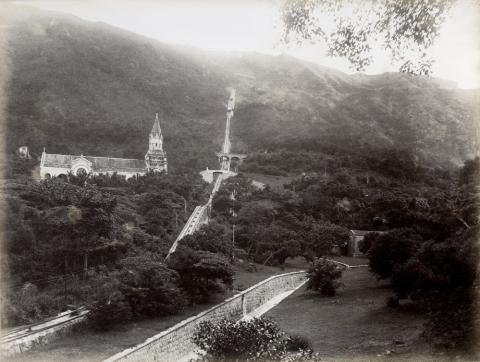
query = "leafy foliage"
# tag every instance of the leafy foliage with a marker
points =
(323, 277)
(92, 241)
(211, 237)
(202, 273)
(404, 29)
(392, 249)
(259, 339)
(440, 272)
(139, 287)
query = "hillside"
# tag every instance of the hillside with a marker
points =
(81, 87)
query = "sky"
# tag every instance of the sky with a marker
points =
(248, 25)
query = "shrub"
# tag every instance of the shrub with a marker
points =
(323, 277)
(256, 340)
(259, 339)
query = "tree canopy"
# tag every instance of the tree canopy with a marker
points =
(404, 29)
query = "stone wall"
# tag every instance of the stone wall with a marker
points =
(40, 334)
(175, 343)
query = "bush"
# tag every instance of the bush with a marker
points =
(323, 277)
(259, 339)
(255, 340)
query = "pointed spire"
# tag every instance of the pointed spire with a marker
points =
(156, 130)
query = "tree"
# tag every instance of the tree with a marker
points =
(76, 225)
(321, 237)
(323, 277)
(211, 237)
(405, 29)
(391, 250)
(140, 286)
(202, 273)
(366, 243)
(150, 287)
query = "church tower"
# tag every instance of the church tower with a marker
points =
(156, 158)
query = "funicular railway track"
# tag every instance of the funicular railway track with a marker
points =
(199, 215)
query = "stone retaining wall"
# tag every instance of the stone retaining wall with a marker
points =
(175, 343)
(41, 334)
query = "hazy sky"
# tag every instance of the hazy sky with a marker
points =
(254, 26)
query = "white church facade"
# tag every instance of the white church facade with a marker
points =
(57, 165)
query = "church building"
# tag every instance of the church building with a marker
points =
(56, 165)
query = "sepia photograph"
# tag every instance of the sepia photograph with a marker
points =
(239, 180)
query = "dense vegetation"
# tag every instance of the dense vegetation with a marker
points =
(439, 271)
(426, 218)
(101, 241)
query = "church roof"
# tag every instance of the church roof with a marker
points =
(99, 164)
(156, 130)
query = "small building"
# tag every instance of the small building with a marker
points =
(356, 239)
(57, 165)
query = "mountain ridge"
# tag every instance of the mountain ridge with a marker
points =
(88, 87)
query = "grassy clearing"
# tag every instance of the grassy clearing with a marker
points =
(355, 325)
